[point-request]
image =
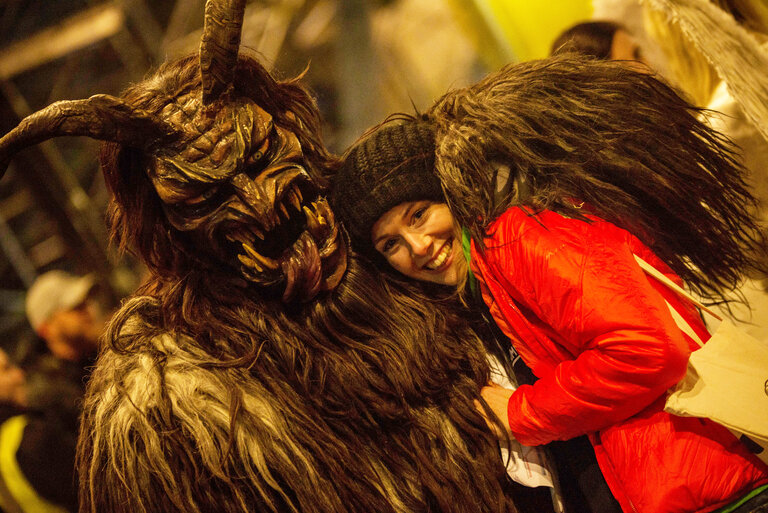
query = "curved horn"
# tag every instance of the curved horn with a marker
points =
(219, 45)
(101, 117)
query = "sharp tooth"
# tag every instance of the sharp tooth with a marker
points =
(275, 218)
(298, 193)
(329, 213)
(257, 233)
(249, 263)
(293, 196)
(331, 243)
(312, 222)
(237, 237)
(284, 210)
(265, 261)
(318, 215)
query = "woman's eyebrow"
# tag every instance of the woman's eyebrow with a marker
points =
(410, 209)
(402, 216)
(381, 238)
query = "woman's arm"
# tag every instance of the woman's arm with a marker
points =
(583, 282)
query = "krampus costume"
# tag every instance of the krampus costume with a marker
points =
(262, 367)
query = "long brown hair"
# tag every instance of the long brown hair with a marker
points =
(622, 142)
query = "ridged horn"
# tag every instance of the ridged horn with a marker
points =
(101, 117)
(219, 46)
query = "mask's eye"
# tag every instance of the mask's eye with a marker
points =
(203, 203)
(259, 153)
(201, 198)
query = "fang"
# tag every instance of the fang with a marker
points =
(249, 263)
(265, 261)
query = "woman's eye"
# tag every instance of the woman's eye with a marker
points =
(418, 214)
(388, 245)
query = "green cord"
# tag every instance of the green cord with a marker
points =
(466, 245)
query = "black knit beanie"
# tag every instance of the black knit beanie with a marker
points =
(393, 165)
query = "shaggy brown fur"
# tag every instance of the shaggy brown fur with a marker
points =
(621, 142)
(210, 396)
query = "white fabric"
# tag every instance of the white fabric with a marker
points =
(752, 317)
(728, 383)
(526, 465)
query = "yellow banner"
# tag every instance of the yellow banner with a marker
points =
(517, 30)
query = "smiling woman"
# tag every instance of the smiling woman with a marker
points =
(551, 258)
(398, 209)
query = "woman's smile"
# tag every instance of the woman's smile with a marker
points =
(442, 259)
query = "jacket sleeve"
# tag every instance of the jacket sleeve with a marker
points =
(626, 349)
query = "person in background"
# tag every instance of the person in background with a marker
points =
(603, 165)
(65, 311)
(41, 404)
(603, 40)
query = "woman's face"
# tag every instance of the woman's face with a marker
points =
(420, 239)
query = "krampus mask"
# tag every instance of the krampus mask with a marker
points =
(262, 366)
(232, 178)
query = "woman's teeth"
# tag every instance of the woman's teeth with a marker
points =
(440, 259)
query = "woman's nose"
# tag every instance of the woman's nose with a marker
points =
(418, 243)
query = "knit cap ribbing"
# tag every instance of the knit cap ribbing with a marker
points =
(393, 165)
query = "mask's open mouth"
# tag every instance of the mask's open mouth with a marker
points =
(296, 244)
(265, 242)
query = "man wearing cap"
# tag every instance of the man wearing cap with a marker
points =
(63, 311)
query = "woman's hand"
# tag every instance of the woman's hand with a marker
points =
(497, 398)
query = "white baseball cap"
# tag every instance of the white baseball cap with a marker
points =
(55, 291)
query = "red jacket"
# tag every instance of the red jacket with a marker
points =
(597, 333)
